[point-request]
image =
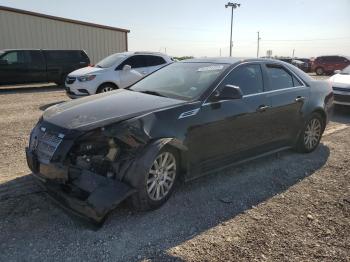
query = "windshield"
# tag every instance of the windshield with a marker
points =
(110, 60)
(181, 80)
(346, 71)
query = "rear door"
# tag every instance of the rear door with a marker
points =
(331, 63)
(62, 62)
(342, 63)
(55, 65)
(288, 96)
(37, 66)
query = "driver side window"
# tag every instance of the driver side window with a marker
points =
(16, 57)
(247, 77)
(135, 61)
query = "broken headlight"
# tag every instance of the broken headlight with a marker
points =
(95, 152)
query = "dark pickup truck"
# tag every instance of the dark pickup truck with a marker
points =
(18, 66)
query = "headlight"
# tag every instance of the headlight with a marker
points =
(86, 78)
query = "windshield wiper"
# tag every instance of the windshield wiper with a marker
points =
(152, 93)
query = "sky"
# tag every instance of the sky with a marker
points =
(202, 27)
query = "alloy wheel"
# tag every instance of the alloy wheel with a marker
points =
(107, 89)
(161, 176)
(313, 133)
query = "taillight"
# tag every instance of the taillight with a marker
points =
(91, 65)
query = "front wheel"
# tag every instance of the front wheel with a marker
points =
(311, 134)
(158, 184)
(106, 88)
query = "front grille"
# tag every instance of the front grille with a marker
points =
(342, 98)
(47, 143)
(70, 79)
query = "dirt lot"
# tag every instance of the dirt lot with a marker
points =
(285, 207)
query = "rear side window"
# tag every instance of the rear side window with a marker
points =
(154, 60)
(84, 56)
(330, 59)
(37, 57)
(64, 56)
(280, 78)
(247, 77)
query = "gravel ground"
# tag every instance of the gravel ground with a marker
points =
(285, 207)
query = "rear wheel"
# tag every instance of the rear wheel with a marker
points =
(311, 134)
(319, 71)
(106, 88)
(62, 80)
(157, 185)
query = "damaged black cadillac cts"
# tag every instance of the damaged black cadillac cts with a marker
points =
(183, 121)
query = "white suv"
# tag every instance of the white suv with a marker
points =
(119, 70)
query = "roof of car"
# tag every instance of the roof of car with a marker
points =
(142, 53)
(33, 49)
(229, 60)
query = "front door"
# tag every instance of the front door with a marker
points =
(231, 130)
(138, 70)
(14, 67)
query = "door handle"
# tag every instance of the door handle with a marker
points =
(300, 99)
(262, 108)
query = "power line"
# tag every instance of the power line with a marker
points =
(303, 40)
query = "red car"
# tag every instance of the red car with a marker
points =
(328, 64)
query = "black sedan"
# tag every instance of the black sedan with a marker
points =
(183, 121)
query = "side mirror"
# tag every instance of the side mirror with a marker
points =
(126, 67)
(337, 71)
(228, 92)
(3, 62)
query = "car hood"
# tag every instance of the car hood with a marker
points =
(88, 70)
(340, 80)
(99, 110)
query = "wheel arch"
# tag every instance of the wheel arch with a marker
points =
(145, 157)
(322, 113)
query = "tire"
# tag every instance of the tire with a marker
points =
(149, 184)
(319, 71)
(106, 88)
(311, 134)
(61, 81)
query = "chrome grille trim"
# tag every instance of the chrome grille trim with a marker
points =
(47, 146)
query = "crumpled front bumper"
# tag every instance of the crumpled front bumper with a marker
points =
(101, 194)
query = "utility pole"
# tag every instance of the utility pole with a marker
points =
(257, 51)
(233, 6)
(293, 53)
